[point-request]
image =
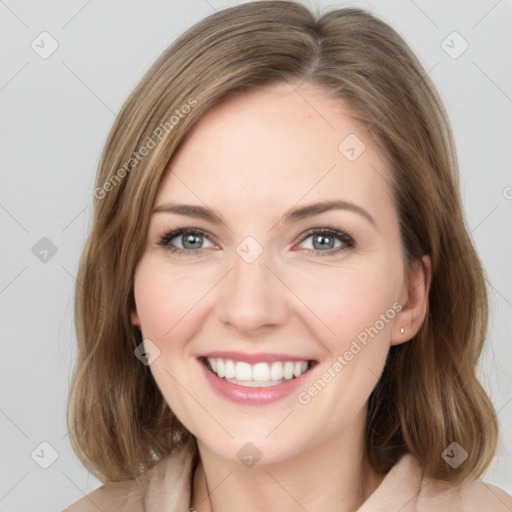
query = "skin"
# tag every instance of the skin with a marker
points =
(250, 160)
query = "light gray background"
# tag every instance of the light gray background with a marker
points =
(55, 116)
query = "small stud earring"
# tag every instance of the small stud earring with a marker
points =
(402, 330)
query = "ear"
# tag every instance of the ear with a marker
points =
(134, 317)
(414, 302)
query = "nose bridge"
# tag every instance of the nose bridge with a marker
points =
(252, 296)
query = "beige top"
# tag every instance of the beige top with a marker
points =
(167, 488)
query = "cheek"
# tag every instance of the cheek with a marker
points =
(164, 299)
(167, 306)
(357, 315)
(349, 303)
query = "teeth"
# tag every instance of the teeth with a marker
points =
(276, 371)
(229, 369)
(288, 370)
(259, 374)
(299, 368)
(243, 371)
(261, 371)
(220, 368)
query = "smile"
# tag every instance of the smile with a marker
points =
(254, 379)
(256, 375)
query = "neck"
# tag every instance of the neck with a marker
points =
(335, 472)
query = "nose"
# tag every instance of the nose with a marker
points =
(252, 298)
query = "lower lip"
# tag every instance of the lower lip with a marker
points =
(252, 396)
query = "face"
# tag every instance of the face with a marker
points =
(293, 306)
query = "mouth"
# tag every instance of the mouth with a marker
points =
(259, 374)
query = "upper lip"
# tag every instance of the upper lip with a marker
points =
(253, 358)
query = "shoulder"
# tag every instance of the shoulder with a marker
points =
(473, 496)
(119, 496)
(482, 496)
(165, 486)
(406, 485)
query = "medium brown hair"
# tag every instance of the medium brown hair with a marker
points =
(428, 395)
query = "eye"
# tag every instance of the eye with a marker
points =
(184, 240)
(321, 241)
(327, 241)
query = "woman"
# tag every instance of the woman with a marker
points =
(279, 305)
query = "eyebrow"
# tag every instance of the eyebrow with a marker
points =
(292, 215)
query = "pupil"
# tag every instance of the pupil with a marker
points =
(191, 241)
(320, 240)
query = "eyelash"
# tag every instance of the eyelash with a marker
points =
(347, 240)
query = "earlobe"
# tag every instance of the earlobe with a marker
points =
(414, 308)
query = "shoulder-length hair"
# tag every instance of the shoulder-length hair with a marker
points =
(428, 395)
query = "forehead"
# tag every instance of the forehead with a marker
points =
(275, 147)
